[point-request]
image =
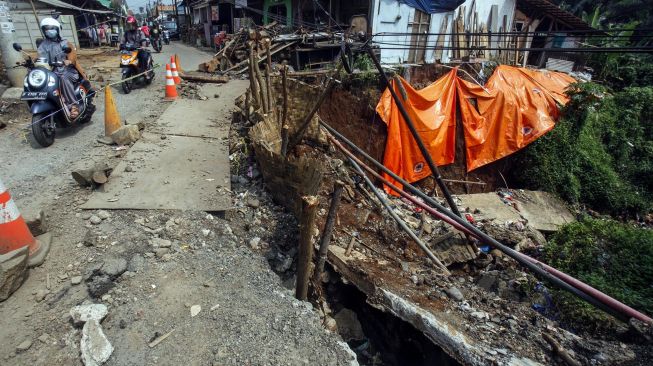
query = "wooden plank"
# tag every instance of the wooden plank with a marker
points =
(439, 43)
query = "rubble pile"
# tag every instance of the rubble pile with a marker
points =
(508, 313)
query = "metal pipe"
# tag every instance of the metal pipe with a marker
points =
(399, 221)
(422, 148)
(614, 307)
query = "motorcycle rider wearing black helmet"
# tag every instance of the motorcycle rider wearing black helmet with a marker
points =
(53, 49)
(133, 38)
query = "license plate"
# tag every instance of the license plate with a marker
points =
(34, 95)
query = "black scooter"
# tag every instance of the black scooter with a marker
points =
(166, 36)
(42, 93)
(157, 45)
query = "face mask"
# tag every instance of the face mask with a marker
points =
(51, 33)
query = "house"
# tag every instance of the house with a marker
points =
(76, 18)
(209, 17)
(480, 30)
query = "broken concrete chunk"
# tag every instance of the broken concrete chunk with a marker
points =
(83, 313)
(114, 267)
(455, 294)
(13, 271)
(126, 135)
(95, 220)
(24, 346)
(133, 121)
(194, 310)
(96, 348)
(160, 243)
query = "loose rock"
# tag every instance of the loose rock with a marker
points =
(194, 310)
(126, 135)
(24, 346)
(83, 313)
(455, 294)
(76, 280)
(114, 267)
(95, 220)
(96, 348)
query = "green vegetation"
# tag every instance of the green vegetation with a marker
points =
(600, 153)
(613, 257)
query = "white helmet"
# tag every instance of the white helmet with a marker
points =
(51, 28)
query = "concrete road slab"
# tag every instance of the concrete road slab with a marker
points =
(194, 118)
(542, 210)
(185, 173)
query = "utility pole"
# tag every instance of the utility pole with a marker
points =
(10, 56)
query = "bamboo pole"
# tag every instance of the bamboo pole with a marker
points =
(252, 78)
(305, 254)
(268, 71)
(328, 227)
(259, 79)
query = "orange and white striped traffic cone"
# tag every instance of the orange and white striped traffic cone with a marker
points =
(171, 88)
(15, 235)
(175, 74)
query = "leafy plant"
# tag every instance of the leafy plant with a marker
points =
(613, 257)
(600, 153)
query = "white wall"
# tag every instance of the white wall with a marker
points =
(392, 16)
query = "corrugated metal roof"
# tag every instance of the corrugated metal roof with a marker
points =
(538, 8)
(61, 4)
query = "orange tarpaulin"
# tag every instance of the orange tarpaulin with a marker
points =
(510, 113)
(516, 107)
(433, 111)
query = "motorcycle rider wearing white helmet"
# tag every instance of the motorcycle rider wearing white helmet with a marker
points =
(52, 49)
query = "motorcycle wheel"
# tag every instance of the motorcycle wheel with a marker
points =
(43, 128)
(151, 73)
(90, 109)
(127, 85)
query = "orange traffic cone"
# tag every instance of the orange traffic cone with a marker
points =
(175, 74)
(178, 64)
(171, 88)
(111, 116)
(15, 235)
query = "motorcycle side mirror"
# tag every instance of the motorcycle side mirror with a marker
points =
(17, 47)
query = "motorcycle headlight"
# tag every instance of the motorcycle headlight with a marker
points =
(51, 80)
(36, 78)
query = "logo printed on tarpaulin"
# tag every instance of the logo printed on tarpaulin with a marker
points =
(418, 167)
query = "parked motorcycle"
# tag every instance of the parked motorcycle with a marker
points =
(42, 94)
(157, 45)
(130, 64)
(166, 37)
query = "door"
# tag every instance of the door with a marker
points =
(419, 29)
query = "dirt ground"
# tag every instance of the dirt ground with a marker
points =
(151, 267)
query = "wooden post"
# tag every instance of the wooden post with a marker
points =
(305, 254)
(328, 227)
(284, 139)
(252, 77)
(259, 79)
(268, 71)
(284, 83)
